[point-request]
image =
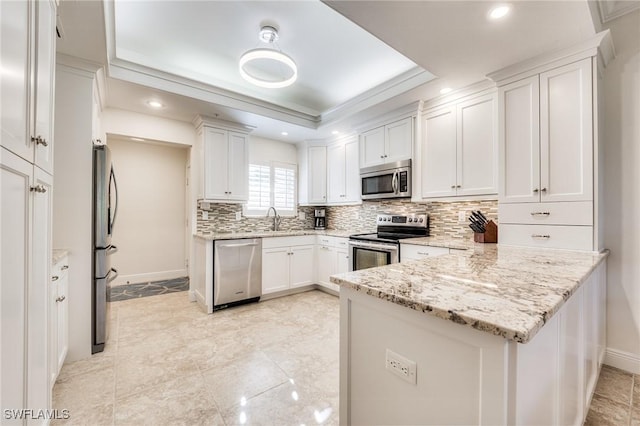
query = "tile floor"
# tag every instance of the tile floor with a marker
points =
(271, 363)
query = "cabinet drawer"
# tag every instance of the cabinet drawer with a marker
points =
(414, 252)
(547, 236)
(330, 241)
(569, 213)
(302, 240)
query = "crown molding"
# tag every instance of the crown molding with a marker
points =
(202, 120)
(409, 110)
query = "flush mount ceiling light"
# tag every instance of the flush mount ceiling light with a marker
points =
(499, 11)
(266, 66)
(155, 104)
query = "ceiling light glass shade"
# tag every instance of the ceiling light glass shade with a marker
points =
(271, 55)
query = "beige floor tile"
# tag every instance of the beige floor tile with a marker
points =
(97, 362)
(615, 385)
(91, 389)
(636, 391)
(606, 412)
(286, 404)
(244, 377)
(184, 401)
(635, 416)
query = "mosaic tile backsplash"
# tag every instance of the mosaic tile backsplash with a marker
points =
(443, 217)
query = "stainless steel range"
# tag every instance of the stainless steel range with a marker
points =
(383, 247)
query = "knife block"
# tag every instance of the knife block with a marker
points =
(490, 235)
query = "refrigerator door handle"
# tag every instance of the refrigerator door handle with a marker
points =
(111, 249)
(110, 277)
(112, 220)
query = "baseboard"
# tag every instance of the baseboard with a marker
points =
(192, 296)
(623, 360)
(149, 276)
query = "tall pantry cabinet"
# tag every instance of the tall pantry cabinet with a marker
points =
(26, 179)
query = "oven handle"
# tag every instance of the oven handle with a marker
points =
(385, 247)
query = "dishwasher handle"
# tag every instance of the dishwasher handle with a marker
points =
(238, 245)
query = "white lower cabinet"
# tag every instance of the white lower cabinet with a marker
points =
(333, 258)
(417, 252)
(58, 318)
(287, 262)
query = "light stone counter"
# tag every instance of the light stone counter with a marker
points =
(442, 241)
(506, 291)
(58, 255)
(267, 234)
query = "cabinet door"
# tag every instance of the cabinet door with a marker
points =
(372, 147)
(519, 140)
(301, 265)
(14, 80)
(15, 228)
(477, 147)
(275, 269)
(438, 159)
(398, 140)
(336, 169)
(318, 174)
(216, 157)
(238, 166)
(38, 297)
(62, 301)
(342, 261)
(352, 172)
(53, 328)
(566, 134)
(326, 263)
(45, 66)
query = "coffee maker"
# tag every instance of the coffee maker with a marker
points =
(319, 221)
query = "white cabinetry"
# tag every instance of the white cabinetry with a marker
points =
(317, 174)
(549, 157)
(343, 173)
(287, 262)
(225, 159)
(459, 151)
(333, 258)
(26, 147)
(386, 144)
(418, 252)
(58, 318)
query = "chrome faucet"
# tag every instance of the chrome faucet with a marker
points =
(276, 218)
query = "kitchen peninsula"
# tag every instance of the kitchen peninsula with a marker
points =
(491, 335)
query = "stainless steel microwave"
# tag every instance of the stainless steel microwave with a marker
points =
(392, 180)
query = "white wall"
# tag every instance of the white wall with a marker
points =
(127, 123)
(622, 193)
(261, 149)
(150, 227)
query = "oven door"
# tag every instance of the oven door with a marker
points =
(365, 255)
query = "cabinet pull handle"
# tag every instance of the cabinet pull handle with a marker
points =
(453, 187)
(540, 237)
(536, 190)
(543, 190)
(458, 186)
(38, 188)
(540, 213)
(54, 278)
(423, 253)
(39, 140)
(65, 267)
(61, 299)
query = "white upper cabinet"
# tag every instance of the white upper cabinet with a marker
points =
(546, 140)
(225, 156)
(343, 173)
(459, 151)
(317, 174)
(386, 144)
(26, 85)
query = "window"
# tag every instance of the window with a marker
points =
(271, 184)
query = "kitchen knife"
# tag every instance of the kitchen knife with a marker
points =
(478, 217)
(476, 228)
(482, 216)
(478, 222)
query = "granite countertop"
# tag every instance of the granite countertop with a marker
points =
(267, 234)
(57, 255)
(442, 241)
(506, 291)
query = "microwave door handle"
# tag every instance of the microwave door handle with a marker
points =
(394, 182)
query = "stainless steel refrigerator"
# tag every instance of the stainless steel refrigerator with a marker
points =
(105, 209)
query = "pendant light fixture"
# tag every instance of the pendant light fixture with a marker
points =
(267, 66)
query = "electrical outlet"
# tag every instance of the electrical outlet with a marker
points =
(462, 216)
(205, 215)
(401, 366)
(238, 215)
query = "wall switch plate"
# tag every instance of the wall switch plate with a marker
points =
(238, 215)
(205, 215)
(302, 216)
(462, 216)
(401, 367)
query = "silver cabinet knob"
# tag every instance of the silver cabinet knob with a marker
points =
(458, 186)
(453, 187)
(38, 188)
(64, 267)
(536, 190)
(39, 140)
(61, 299)
(543, 190)
(54, 278)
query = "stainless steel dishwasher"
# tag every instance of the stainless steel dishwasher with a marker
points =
(237, 272)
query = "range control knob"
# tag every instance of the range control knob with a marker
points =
(379, 219)
(410, 219)
(421, 220)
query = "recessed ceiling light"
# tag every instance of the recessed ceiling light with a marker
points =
(335, 132)
(155, 104)
(137, 139)
(499, 11)
(284, 134)
(445, 90)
